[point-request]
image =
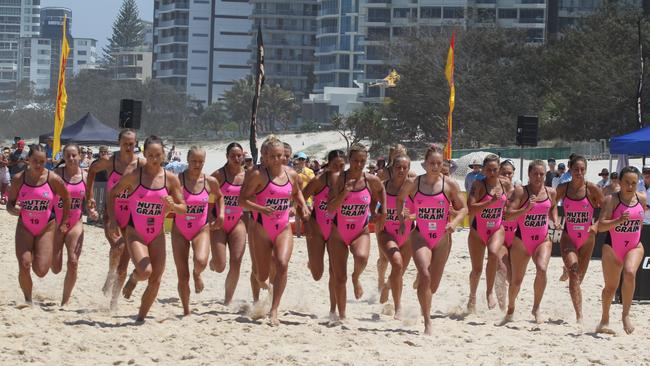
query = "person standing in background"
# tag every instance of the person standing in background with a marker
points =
(4, 175)
(248, 161)
(50, 162)
(604, 182)
(561, 171)
(18, 159)
(551, 173)
(306, 176)
(474, 175)
(614, 185)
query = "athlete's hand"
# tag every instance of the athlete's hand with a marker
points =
(292, 212)
(63, 227)
(92, 214)
(407, 215)
(532, 200)
(14, 210)
(113, 228)
(169, 203)
(380, 220)
(306, 212)
(349, 185)
(593, 229)
(557, 223)
(91, 204)
(267, 210)
(450, 228)
(217, 223)
(624, 217)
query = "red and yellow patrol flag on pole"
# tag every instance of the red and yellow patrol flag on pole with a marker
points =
(61, 94)
(449, 73)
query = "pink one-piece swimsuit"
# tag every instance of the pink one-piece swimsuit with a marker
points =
(353, 215)
(579, 216)
(279, 198)
(627, 235)
(432, 214)
(323, 218)
(147, 210)
(233, 211)
(533, 226)
(391, 227)
(488, 221)
(77, 194)
(195, 218)
(36, 205)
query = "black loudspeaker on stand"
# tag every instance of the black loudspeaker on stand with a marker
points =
(527, 127)
(130, 111)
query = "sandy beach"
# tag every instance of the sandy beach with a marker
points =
(215, 334)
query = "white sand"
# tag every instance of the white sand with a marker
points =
(86, 332)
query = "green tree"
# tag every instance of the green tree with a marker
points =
(277, 106)
(592, 75)
(495, 78)
(214, 117)
(370, 122)
(127, 30)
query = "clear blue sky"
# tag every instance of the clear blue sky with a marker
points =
(94, 18)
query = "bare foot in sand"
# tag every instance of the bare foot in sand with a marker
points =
(509, 318)
(605, 329)
(565, 274)
(627, 325)
(128, 287)
(471, 305)
(113, 305)
(273, 321)
(428, 329)
(358, 290)
(26, 305)
(107, 289)
(398, 314)
(198, 283)
(492, 301)
(383, 297)
(538, 316)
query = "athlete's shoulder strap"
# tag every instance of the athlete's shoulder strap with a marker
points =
(225, 173)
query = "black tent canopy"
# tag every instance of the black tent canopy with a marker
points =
(87, 131)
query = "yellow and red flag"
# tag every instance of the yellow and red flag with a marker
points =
(61, 94)
(449, 74)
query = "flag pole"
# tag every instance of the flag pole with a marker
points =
(259, 83)
(61, 93)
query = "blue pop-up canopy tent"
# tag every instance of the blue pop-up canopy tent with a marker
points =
(634, 143)
(87, 131)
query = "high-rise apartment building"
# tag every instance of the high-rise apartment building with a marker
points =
(289, 28)
(35, 63)
(201, 47)
(230, 39)
(385, 21)
(338, 44)
(52, 29)
(18, 19)
(85, 54)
